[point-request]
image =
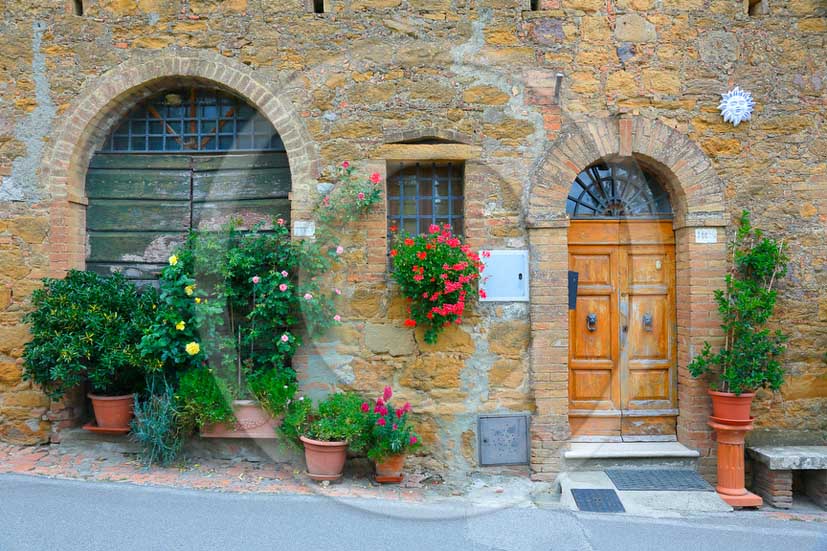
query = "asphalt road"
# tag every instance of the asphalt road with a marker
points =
(44, 514)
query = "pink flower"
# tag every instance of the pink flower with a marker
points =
(400, 412)
(387, 393)
(360, 195)
(284, 273)
(414, 440)
(380, 402)
(345, 165)
(283, 287)
(375, 178)
(337, 291)
(256, 280)
(365, 407)
(280, 221)
(308, 296)
(433, 228)
(285, 338)
(394, 426)
(340, 249)
(407, 407)
(337, 317)
(381, 422)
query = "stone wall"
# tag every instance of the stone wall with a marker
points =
(476, 71)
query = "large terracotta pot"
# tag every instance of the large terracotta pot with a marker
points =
(325, 460)
(113, 412)
(252, 421)
(728, 406)
(390, 470)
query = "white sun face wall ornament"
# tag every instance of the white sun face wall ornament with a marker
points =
(736, 106)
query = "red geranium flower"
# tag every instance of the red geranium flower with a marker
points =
(410, 323)
(375, 178)
(409, 242)
(387, 394)
(381, 422)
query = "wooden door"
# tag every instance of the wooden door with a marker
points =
(622, 383)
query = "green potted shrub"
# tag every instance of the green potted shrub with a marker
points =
(391, 436)
(327, 431)
(748, 359)
(85, 330)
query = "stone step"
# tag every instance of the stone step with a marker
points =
(598, 456)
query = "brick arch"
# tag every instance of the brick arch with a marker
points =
(695, 190)
(104, 100)
(697, 196)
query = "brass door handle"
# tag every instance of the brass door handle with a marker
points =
(591, 322)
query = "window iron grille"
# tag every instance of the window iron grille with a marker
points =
(425, 193)
(617, 190)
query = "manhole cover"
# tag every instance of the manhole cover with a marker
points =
(658, 480)
(597, 501)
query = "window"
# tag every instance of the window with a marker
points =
(425, 193)
(190, 120)
(617, 190)
(77, 7)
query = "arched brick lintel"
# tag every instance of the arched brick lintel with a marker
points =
(696, 191)
(104, 100)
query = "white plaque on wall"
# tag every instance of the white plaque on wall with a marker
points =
(304, 228)
(706, 235)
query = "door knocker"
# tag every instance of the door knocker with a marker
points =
(591, 322)
(647, 322)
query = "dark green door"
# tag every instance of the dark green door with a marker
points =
(142, 205)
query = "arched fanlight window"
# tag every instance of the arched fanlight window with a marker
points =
(193, 120)
(617, 190)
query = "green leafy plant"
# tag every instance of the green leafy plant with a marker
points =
(273, 388)
(337, 418)
(157, 427)
(749, 357)
(86, 328)
(437, 274)
(391, 432)
(203, 399)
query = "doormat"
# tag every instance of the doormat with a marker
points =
(678, 480)
(597, 501)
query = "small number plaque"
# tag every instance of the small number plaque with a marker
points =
(304, 228)
(706, 235)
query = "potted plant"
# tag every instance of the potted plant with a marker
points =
(436, 273)
(85, 330)
(748, 359)
(391, 436)
(326, 432)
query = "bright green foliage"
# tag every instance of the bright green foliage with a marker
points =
(157, 427)
(749, 358)
(273, 388)
(203, 399)
(391, 431)
(87, 327)
(437, 274)
(337, 418)
(351, 198)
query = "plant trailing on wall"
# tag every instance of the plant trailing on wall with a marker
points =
(748, 358)
(391, 432)
(87, 328)
(438, 275)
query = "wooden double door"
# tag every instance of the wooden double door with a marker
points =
(622, 376)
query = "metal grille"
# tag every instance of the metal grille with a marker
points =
(503, 439)
(597, 501)
(421, 194)
(193, 119)
(658, 479)
(617, 190)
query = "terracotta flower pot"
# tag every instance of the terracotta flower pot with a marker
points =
(252, 421)
(112, 412)
(325, 460)
(390, 470)
(728, 406)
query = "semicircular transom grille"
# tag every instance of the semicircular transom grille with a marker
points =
(617, 190)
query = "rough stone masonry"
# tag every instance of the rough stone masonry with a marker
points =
(481, 72)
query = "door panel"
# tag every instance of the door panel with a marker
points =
(622, 376)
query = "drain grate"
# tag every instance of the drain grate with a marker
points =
(658, 480)
(597, 501)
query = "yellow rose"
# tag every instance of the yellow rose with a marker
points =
(173, 260)
(180, 325)
(188, 290)
(193, 348)
(197, 300)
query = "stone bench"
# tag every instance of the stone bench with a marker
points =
(772, 473)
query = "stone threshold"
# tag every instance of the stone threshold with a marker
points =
(628, 450)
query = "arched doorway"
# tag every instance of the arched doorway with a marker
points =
(181, 159)
(622, 324)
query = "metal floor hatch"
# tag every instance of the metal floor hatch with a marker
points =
(597, 501)
(657, 480)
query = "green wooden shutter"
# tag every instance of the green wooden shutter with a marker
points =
(142, 205)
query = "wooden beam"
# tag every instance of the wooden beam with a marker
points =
(428, 152)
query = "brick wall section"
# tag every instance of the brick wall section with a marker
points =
(776, 487)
